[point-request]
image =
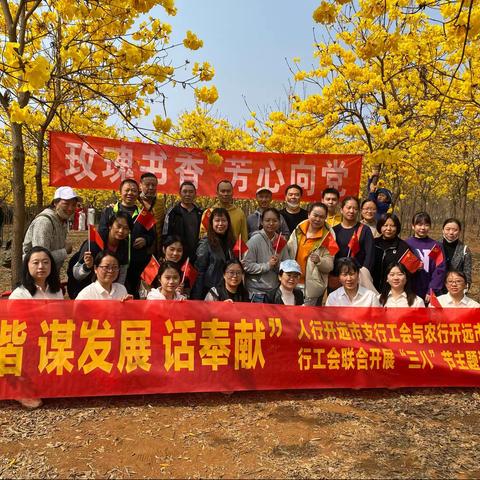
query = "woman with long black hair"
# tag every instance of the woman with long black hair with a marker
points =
(213, 252)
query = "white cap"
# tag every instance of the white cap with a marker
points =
(264, 189)
(290, 266)
(66, 193)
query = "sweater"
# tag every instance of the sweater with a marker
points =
(47, 230)
(431, 276)
(260, 277)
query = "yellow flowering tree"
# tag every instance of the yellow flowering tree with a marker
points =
(71, 65)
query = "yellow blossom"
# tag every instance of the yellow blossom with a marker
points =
(162, 125)
(326, 13)
(207, 94)
(192, 42)
(205, 71)
(37, 73)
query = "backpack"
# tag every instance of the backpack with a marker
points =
(74, 286)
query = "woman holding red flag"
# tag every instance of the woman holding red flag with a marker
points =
(355, 241)
(312, 245)
(266, 249)
(431, 276)
(389, 249)
(116, 240)
(213, 252)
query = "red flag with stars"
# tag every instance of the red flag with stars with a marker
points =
(279, 243)
(330, 244)
(146, 219)
(206, 218)
(436, 255)
(354, 244)
(410, 261)
(94, 237)
(434, 300)
(151, 271)
(240, 248)
(189, 271)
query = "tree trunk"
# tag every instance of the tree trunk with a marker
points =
(39, 169)
(18, 185)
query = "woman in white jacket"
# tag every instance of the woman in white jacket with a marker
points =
(308, 246)
(266, 249)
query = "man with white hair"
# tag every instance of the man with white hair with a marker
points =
(49, 228)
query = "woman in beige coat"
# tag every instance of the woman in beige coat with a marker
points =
(308, 246)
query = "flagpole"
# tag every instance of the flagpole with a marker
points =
(276, 246)
(89, 229)
(185, 269)
(240, 246)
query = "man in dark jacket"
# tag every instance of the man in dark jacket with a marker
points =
(183, 220)
(141, 239)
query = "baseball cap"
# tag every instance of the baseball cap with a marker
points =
(66, 193)
(290, 266)
(263, 189)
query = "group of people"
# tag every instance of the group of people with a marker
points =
(322, 255)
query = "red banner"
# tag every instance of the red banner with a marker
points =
(84, 348)
(102, 163)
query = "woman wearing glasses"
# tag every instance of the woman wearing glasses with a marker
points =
(230, 288)
(368, 211)
(106, 267)
(456, 283)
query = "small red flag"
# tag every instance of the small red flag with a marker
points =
(353, 245)
(151, 271)
(330, 244)
(206, 218)
(410, 261)
(436, 254)
(94, 237)
(279, 244)
(190, 272)
(146, 219)
(434, 300)
(240, 248)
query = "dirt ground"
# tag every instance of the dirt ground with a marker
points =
(407, 433)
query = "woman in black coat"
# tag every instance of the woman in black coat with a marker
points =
(213, 252)
(389, 248)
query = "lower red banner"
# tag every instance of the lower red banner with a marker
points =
(87, 348)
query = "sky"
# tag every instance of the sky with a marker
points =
(247, 43)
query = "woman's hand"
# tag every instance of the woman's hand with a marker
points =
(315, 258)
(273, 262)
(139, 242)
(228, 300)
(88, 259)
(127, 297)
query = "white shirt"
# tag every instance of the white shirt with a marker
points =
(402, 302)
(363, 298)
(21, 293)
(95, 291)
(446, 301)
(156, 294)
(288, 298)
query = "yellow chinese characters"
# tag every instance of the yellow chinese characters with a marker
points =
(346, 359)
(180, 347)
(215, 343)
(97, 347)
(12, 338)
(135, 348)
(56, 354)
(248, 344)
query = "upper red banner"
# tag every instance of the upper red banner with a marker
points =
(84, 348)
(102, 163)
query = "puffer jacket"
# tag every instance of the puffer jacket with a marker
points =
(316, 275)
(210, 264)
